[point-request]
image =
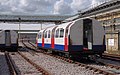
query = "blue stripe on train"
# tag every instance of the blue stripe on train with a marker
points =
(40, 44)
(47, 45)
(59, 47)
(72, 47)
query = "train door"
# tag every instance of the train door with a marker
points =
(7, 38)
(87, 34)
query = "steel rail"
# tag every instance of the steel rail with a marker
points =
(12, 69)
(111, 56)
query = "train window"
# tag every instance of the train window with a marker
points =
(39, 35)
(57, 33)
(61, 32)
(45, 34)
(49, 34)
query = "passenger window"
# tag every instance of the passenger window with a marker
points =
(61, 32)
(46, 34)
(49, 34)
(40, 35)
(57, 33)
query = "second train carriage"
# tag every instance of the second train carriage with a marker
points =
(8, 40)
(81, 37)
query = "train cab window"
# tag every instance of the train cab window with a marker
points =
(45, 34)
(49, 34)
(57, 33)
(61, 32)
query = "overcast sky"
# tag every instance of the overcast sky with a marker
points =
(46, 7)
(42, 7)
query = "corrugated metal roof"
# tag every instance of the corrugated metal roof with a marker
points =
(113, 4)
(39, 18)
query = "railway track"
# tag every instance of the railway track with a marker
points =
(12, 69)
(111, 57)
(29, 49)
(108, 69)
(40, 69)
(19, 64)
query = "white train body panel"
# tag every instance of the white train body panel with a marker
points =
(60, 36)
(48, 37)
(39, 38)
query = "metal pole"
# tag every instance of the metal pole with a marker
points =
(19, 28)
(41, 25)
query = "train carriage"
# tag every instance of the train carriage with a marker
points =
(8, 40)
(82, 37)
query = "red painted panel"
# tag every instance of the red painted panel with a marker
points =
(42, 42)
(52, 42)
(66, 44)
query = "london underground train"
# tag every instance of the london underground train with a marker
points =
(79, 38)
(8, 40)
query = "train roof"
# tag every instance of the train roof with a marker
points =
(64, 25)
(50, 28)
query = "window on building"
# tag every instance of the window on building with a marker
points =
(61, 32)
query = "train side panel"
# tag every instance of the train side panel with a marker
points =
(14, 39)
(61, 41)
(76, 36)
(2, 39)
(8, 40)
(98, 36)
(40, 40)
(47, 40)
